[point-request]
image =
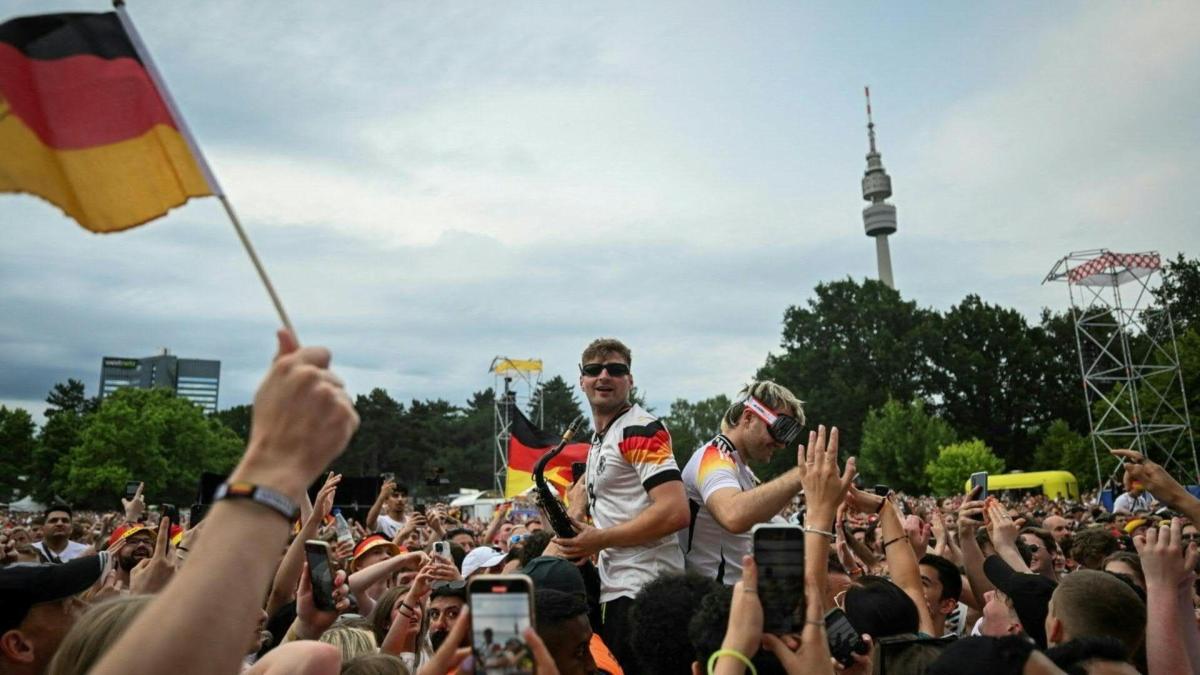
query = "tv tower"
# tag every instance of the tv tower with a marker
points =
(879, 218)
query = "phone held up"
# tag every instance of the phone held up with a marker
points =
(320, 572)
(779, 554)
(170, 511)
(844, 640)
(578, 469)
(979, 480)
(442, 548)
(131, 488)
(501, 610)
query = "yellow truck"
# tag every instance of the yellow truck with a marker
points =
(1053, 484)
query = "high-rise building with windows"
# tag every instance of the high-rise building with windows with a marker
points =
(197, 380)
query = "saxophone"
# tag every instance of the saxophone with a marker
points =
(547, 501)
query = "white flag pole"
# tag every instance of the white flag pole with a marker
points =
(209, 177)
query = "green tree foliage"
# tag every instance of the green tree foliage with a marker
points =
(1180, 291)
(18, 445)
(376, 444)
(898, 441)
(955, 463)
(1064, 449)
(987, 371)
(692, 424)
(555, 398)
(238, 419)
(148, 435)
(68, 407)
(851, 349)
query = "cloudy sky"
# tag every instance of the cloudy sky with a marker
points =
(434, 184)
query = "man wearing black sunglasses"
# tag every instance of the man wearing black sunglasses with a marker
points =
(725, 497)
(634, 493)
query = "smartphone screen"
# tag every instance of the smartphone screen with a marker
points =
(131, 488)
(980, 480)
(170, 511)
(844, 640)
(577, 471)
(320, 573)
(779, 553)
(501, 610)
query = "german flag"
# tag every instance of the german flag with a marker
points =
(526, 444)
(83, 126)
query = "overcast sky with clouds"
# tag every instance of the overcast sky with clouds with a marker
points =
(434, 184)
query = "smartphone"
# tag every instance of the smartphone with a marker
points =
(419, 508)
(779, 554)
(883, 490)
(501, 610)
(170, 511)
(131, 488)
(442, 548)
(196, 514)
(320, 572)
(979, 479)
(578, 469)
(844, 640)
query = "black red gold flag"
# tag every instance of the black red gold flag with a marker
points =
(83, 126)
(526, 444)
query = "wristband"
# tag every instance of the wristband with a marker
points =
(276, 501)
(712, 660)
(889, 543)
(823, 533)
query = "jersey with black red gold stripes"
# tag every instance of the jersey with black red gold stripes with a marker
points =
(631, 458)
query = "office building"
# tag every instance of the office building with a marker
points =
(197, 380)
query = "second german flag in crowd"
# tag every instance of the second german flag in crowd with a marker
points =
(83, 125)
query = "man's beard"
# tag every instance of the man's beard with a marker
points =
(127, 561)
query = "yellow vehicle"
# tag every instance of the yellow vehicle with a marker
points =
(1053, 484)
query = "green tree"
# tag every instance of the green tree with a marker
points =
(376, 446)
(68, 408)
(238, 419)
(1180, 291)
(556, 400)
(987, 376)
(693, 424)
(898, 441)
(1063, 449)
(148, 435)
(1060, 384)
(18, 446)
(956, 462)
(851, 349)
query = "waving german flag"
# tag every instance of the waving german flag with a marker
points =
(526, 445)
(83, 126)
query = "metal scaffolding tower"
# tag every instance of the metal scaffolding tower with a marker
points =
(514, 381)
(1132, 382)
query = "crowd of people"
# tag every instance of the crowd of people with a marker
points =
(658, 576)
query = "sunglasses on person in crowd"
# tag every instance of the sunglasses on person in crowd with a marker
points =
(615, 369)
(456, 585)
(784, 429)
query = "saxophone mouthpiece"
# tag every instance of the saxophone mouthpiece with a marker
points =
(575, 425)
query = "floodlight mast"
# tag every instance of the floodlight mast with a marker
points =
(1130, 395)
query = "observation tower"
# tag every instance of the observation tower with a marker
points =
(879, 219)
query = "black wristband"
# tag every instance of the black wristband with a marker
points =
(276, 501)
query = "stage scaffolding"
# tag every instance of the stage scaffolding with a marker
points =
(514, 381)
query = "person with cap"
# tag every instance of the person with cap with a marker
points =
(56, 545)
(369, 570)
(566, 627)
(38, 605)
(137, 544)
(725, 498)
(1029, 593)
(483, 560)
(635, 494)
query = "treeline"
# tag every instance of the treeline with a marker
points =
(920, 396)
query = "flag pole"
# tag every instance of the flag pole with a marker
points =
(205, 170)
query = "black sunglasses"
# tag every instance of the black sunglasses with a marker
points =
(615, 369)
(456, 585)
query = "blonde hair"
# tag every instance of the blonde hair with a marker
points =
(350, 641)
(600, 347)
(98, 629)
(773, 395)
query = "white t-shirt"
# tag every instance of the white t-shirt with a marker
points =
(1127, 503)
(708, 548)
(631, 458)
(387, 525)
(73, 550)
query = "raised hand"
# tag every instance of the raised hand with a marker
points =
(1156, 479)
(824, 486)
(134, 508)
(152, 574)
(310, 621)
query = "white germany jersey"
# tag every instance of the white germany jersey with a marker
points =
(709, 549)
(631, 458)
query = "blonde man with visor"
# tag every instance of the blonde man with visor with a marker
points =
(725, 497)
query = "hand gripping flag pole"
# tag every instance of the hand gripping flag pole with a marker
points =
(169, 101)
